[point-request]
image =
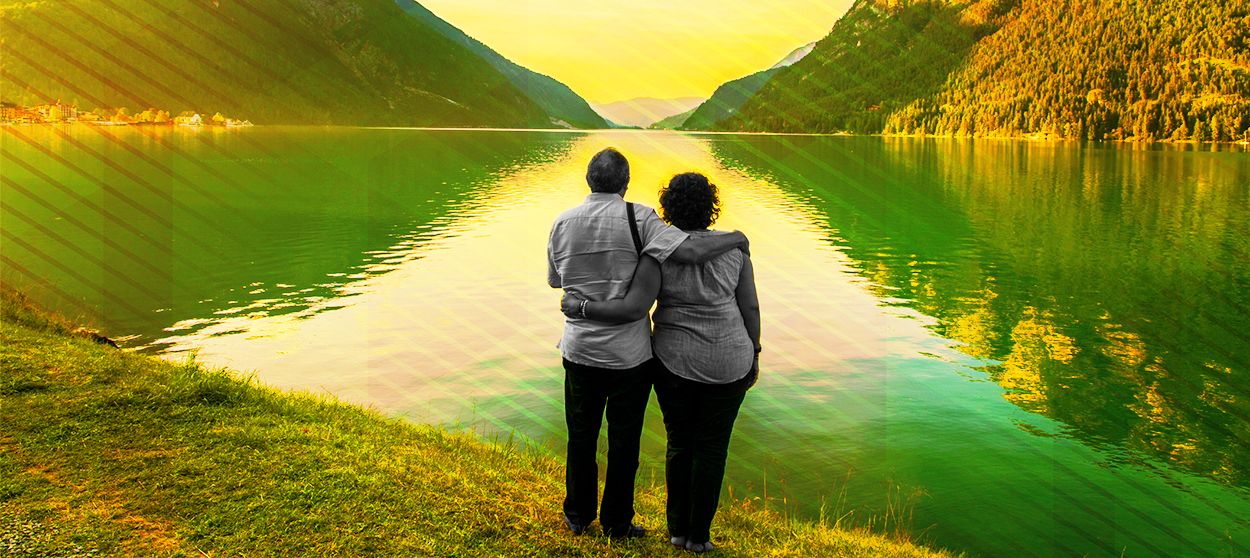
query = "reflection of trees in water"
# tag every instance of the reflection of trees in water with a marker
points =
(285, 217)
(1107, 287)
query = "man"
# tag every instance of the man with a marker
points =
(592, 253)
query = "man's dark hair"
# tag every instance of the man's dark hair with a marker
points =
(690, 202)
(608, 172)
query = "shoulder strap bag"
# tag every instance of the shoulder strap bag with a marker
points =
(633, 227)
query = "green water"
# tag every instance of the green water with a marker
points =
(1039, 349)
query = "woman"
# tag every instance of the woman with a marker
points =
(707, 341)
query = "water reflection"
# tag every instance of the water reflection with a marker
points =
(151, 231)
(460, 316)
(1107, 287)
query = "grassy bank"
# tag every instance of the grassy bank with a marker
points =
(103, 452)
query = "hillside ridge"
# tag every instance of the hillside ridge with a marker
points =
(1125, 69)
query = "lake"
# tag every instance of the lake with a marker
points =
(1002, 347)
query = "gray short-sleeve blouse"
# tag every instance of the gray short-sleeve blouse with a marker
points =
(699, 333)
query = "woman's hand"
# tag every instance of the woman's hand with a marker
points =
(570, 305)
(755, 371)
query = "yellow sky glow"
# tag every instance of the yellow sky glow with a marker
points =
(610, 50)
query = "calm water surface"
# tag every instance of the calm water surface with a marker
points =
(1040, 348)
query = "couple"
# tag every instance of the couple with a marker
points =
(613, 259)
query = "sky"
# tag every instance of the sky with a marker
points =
(611, 50)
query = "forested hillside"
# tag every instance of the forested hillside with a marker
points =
(1114, 69)
(560, 102)
(280, 61)
(727, 99)
(673, 122)
(731, 95)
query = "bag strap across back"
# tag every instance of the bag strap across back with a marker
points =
(633, 227)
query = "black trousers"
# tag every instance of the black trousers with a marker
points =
(588, 391)
(699, 419)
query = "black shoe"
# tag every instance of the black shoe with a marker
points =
(627, 531)
(575, 528)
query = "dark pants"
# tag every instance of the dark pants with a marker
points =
(699, 419)
(587, 392)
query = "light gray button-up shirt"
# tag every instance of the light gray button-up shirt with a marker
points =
(591, 254)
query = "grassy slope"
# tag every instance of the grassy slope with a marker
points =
(107, 451)
(281, 61)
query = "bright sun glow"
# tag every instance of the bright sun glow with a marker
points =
(609, 50)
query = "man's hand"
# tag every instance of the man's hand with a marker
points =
(570, 304)
(746, 243)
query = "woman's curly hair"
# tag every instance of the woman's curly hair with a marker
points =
(690, 202)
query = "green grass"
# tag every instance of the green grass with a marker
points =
(105, 452)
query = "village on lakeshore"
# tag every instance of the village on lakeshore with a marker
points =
(56, 112)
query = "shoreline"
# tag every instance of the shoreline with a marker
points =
(114, 453)
(1029, 138)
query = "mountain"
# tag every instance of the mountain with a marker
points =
(727, 99)
(645, 111)
(794, 56)
(296, 61)
(730, 96)
(561, 103)
(1150, 69)
(672, 122)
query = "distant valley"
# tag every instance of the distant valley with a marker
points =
(645, 111)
